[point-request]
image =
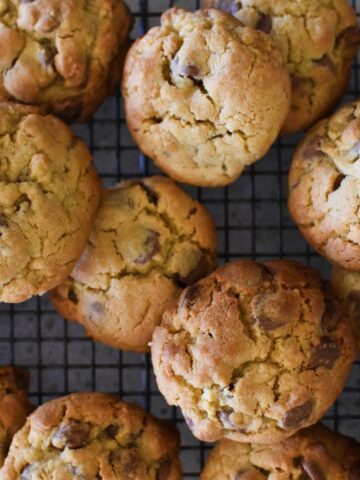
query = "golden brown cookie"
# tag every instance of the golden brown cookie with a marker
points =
(346, 285)
(93, 436)
(324, 187)
(204, 95)
(249, 352)
(315, 453)
(64, 55)
(150, 240)
(14, 404)
(318, 39)
(49, 194)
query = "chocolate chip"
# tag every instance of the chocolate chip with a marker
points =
(97, 307)
(312, 470)
(264, 23)
(224, 418)
(112, 430)
(331, 316)
(153, 197)
(312, 148)
(73, 435)
(152, 246)
(73, 297)
(190, 71)
(164, 469)
(3, 221)
(71, 113)
(297, 415)
(262, 314)
(200, 270)
(355, 471)
(189, 296)
(325, 354)
(349, 35)
(326, 62)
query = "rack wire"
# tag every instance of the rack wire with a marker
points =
(252, 221)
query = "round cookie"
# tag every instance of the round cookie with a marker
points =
(249, 352)
(49, 194)
(324, 187)
(149, 240)
(347, 287)
(318, 39)
(14, 404)
(315, 453)
(205, 96)
(93, 436)
(63, 55)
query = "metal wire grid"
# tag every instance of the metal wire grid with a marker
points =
(252, 221)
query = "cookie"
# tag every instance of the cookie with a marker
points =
(63, 55)
(318, 39)
(324, 187)
(249, 352)
(93, 436)
(205, 96)
(14, 404)
(150, 240)
(315, 453)
(49, 194)
(347, 287)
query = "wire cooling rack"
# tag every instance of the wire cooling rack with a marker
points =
(252, 221)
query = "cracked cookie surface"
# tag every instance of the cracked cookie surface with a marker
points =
(324, 187)
(316, 453)
(249, 352)
(205, 96)
(347, 287)
(149, 240)
(93, 436)
(318, 40)
(14, 404)
(49, 193)
(63, 55)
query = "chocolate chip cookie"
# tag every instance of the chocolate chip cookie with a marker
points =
(318, 39)
(49, 193)
(149, 241)
(205, 96)
(93, 436)
(249, 352)
(315, 453)
(347, 287)
(14, 404)
(324, 187)
(64, 55)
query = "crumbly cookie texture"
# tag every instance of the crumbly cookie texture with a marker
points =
(249, 352)
(205, 96)
(49, 193)
(149, 240)
(14, 404)
(93, 436)
(318, 40)
(324, 187)
(64, 55)
(347, 287)
(315, 453)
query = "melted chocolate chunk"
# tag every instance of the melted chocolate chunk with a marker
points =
(326, 62)
(349, 35)
(190, 71)
(189, 296)
(73, 435)
(297, 415)
(312, 148)
(265, 23)
(325, 354)
(3, 221)
(112, 430)
(152, 246)
(97, 307)
(331, 316)
(153, 197)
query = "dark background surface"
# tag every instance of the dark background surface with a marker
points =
(252, 221)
